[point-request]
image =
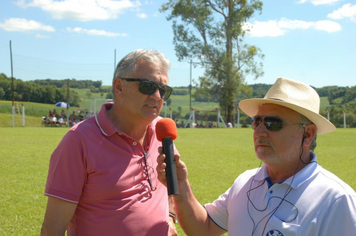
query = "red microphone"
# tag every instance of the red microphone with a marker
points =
(166, 131)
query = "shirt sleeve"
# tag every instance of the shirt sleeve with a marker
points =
(67, 169)
(218, 212)
(341, 217)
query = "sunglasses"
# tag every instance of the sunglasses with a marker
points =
(148, 87)
(271, 123)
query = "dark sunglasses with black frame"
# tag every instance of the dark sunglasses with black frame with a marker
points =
(271, 123)
(148, 87)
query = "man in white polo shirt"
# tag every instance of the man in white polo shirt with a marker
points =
(291, 194)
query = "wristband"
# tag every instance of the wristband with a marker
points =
(173, 216)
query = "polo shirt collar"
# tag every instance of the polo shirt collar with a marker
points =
(299, 178)
(106, 127)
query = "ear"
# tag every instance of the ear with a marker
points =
(117, 86)
(310, 132)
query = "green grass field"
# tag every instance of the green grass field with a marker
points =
(215, 157)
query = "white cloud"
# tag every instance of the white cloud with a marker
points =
(262, 29)
(82, 10)
(326, 25)
(42, 36)
(319, 2)
(95, 32)
(273, 28)
(294, 24)
(142, 15)
(346, 11)
(20, 24)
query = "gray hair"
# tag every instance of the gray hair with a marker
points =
(305, 120)
(127, 65)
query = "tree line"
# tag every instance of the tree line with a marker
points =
(341, 99)
(73, 83)
(35, 91)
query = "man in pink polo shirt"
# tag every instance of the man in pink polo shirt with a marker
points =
(102, 177)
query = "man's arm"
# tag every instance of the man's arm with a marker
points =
(192, 216)
(57, 217)
(171, 221)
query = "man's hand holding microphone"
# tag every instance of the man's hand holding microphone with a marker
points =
(171, 170)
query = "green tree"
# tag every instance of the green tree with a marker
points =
(109, 96)
(335, 94)
(325, 91)
(5, 84)
(350, 95)
(179, 111)
(260, 90)
(88, 94)
(2, 93)
(212, 31)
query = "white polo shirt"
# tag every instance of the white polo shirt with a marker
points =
(313, 202)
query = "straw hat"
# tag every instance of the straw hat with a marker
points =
(294, 95)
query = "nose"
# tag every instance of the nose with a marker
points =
(156, 95)
(260, 130)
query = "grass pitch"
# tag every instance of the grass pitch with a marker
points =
(215, 157)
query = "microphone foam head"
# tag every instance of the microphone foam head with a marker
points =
(166, 127)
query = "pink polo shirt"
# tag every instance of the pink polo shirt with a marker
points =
(103, 171)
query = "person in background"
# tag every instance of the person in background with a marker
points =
(80, 116)
(54, 112)
(291, 194)
(45, 120)
(63, 114)
(73, 119)
(53, 120)
(102, 177)
(61, 121)
(87, 115)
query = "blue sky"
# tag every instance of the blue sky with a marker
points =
(309, 40)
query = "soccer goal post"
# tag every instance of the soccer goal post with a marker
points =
(192, 120)
(99, 104)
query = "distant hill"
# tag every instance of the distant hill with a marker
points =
(334, 99)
